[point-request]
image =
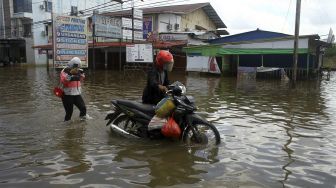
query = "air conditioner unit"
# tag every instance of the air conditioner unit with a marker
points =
(177, 26)
(169, 27)
(42, 6)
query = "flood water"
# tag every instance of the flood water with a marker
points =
(272, 136)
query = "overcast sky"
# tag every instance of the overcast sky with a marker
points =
(317, 16)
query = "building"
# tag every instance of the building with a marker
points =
(263, 49)
(24, 24)
(168, 27)
(172, 27)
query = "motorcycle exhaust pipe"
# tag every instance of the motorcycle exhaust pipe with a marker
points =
(122, 132)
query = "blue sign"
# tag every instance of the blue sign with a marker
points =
(147, 26)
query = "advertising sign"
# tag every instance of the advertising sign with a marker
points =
(147, 26)
(127, 34)
(127, 23)
(138, 35)
(141, 53)
(106, 26)
(70, 40)
(137, 13)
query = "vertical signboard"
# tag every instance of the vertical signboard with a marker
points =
(147, 26)
(70, 40)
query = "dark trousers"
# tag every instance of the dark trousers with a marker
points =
(69, 101)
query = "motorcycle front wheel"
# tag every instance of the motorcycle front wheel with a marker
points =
(201, 134)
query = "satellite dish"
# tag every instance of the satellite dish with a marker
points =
(331, 36)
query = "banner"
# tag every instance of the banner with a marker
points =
(147, 26)
(139, 53)
(70, 40)
(106, 26)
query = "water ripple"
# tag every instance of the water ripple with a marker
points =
(272, 136)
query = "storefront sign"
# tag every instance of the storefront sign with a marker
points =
(106, 26)
(172, 37)
(70, 40)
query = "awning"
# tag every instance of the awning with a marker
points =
(219, 51)
(156, 44)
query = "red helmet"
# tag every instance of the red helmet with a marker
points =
(162, 58)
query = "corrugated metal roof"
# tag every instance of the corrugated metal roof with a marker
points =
(248, 36)
(179, 9)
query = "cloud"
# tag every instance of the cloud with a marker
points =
(276, 15)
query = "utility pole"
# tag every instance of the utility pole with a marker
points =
(132, 21)
(93, 39)
(53, 30)
(296, 40)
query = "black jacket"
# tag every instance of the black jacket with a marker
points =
(152, 94)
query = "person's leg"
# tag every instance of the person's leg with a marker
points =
(80, 104)
(68, 106)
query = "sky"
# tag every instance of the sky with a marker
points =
(317, 16)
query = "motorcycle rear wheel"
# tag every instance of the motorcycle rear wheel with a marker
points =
(126, 124)
(201, 134)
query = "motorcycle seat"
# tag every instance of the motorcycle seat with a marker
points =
(146, 108)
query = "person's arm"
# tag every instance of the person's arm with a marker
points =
(67, 77)
(153, 82)
(166, 81)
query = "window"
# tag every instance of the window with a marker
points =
(27, 30)
(74, 11)
(46, 30)
(48, 6)
(22, 6)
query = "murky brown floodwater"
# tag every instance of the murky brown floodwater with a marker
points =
(272, 136)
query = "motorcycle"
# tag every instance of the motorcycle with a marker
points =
(131, 119)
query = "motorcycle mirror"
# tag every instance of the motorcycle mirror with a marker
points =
(177, 90)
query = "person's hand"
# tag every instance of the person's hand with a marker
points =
(163, 88)
(74, 71)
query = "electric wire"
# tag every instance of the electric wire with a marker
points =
(128, 4)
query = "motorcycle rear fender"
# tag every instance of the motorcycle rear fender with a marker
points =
(112, 116)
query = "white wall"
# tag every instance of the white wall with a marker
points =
(284, 44)
(197, 63)
(38, 15)
(164, 19)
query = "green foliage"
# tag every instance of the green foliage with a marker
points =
(331, 52)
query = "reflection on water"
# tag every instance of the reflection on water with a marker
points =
(272, 136)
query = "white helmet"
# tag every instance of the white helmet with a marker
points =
(74, 62)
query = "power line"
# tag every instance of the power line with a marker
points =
(148, 5)
(151, 5)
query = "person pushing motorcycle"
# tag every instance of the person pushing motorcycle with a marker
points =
(157, 78)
